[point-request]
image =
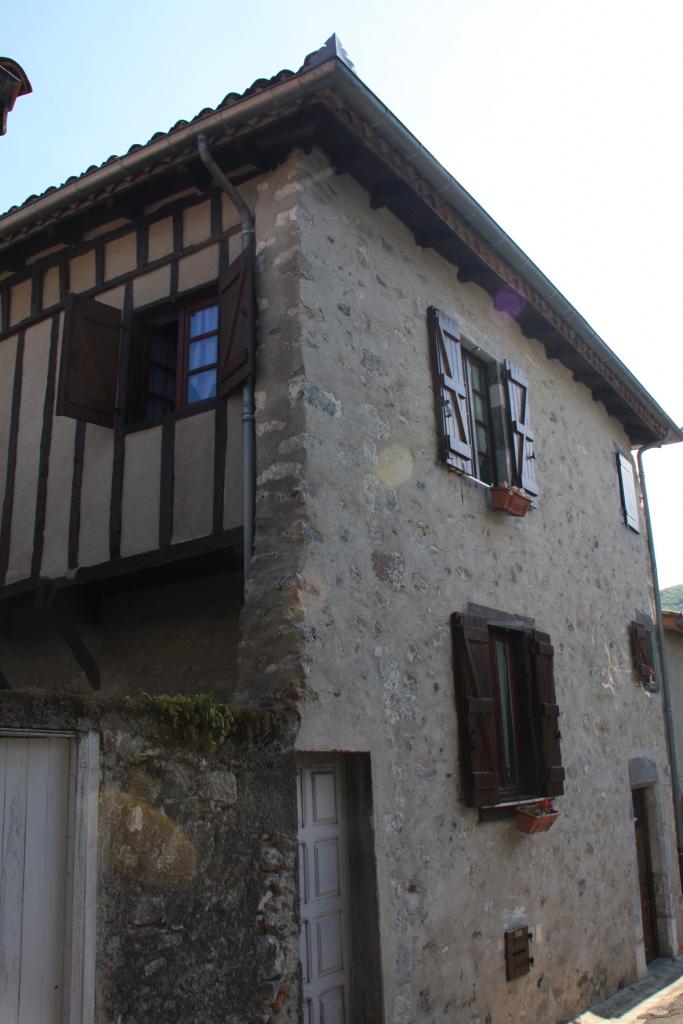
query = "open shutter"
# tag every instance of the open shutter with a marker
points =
(629, 496)
(89, 363)
(451, 391)
(521, 434)
(236, 304)
(552, 771)
(476, 709)
(642, 652)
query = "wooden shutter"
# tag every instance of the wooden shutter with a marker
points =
(629, 496)
(521, 434)
(90, 359)
(476, 709)
(236, 304)
(642, 652)
(552, 772)
(451, 392)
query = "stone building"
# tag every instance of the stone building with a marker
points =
(267, 588)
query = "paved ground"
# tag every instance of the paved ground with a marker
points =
(658, 997)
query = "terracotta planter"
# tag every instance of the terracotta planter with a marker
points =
(530, 824)
(512, 502)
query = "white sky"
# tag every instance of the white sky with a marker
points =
(561, 118)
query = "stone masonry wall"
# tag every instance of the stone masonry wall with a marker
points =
(365, 545)
(196, 902)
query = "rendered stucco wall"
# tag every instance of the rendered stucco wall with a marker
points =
(365, 545)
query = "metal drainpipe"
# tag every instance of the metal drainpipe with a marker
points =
(247, 236)
(663, 660)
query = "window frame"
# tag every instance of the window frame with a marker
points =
(184, 341)
(469, 358)
(506, 396)
(178, 310)
(539, 772)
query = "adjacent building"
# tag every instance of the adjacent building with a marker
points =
(322, 554)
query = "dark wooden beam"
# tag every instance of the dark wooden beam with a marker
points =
(64, 233)
(74, 641)
(385, 196)
(124, 206)
(475, 272)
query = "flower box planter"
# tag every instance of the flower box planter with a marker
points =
(531, 822)
(512, 500)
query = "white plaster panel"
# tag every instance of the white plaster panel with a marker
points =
(140, 499)
(197, 224)
(199, 268)
(167, 200)
(82, 272)
(20, 302)
(44, 253)
(33, 383)
(152, 287)
(8, 353)
(120, 256)
(233, 513)
(105, 229)
(114, 297)
(50, 287)
(58, 500)
(96, 495)
(193, 477)
(160, 241)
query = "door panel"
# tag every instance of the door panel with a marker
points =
(323, 868)
(35, 782)
(645, 882)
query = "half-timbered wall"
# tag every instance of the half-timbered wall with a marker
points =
(76, 495)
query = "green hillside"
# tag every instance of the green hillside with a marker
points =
(672, 598)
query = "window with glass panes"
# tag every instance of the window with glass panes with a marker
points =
(175, 362)
(480, 417)
(508, 711)
(199, 354)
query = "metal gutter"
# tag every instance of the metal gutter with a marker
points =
(174, 144)
(663, 662)
(306, 83)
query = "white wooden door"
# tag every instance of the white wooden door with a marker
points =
(35, 788)
(323, 886)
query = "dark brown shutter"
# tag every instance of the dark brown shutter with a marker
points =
(521, 434)
(90, 359)
(629, 496)
(642, 652)
(451, 392)
(236, 304)
(476, 709)
(552, 771)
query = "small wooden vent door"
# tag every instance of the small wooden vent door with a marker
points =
(323, 886)
(647, 901)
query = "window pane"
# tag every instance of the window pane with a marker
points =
(203, 320)
(479, 408)
(161, 382)
(477, 376)
(201, 386)
(482, 439)
(506, 712)
(202, 353)
(163, 350)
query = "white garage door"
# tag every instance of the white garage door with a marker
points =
(323, 868)
(35, 774)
